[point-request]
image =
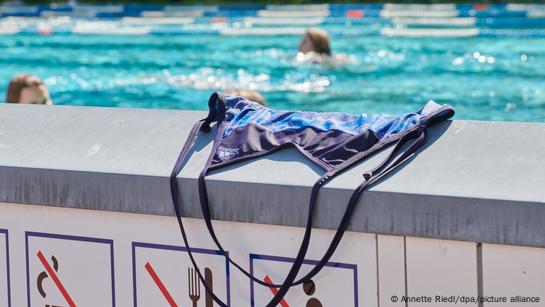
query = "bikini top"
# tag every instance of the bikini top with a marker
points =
(333, 141)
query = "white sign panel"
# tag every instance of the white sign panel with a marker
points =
(164, 276)
(335, 285)
(5, 299)
(70, 271)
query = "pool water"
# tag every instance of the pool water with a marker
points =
(484, 78)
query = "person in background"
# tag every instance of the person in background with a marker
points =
(28, 89)
(315, 40)
(248, 94)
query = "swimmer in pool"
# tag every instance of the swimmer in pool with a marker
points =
(248, 94)
(28, 89)
(315, 48)
(315, 40)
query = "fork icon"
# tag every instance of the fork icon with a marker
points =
(194, 286)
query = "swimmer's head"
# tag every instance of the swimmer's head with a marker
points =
(315, 40)
(28, 89)
(248, 94)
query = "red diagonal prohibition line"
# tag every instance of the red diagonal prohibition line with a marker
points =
(268, 280)
(56, 280)
(160, 285)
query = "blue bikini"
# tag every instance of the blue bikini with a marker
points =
(333, 141)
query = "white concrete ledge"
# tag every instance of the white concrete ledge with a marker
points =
(475, 181)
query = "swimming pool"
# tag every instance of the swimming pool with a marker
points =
(484, 78)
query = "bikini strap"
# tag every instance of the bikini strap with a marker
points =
(420, 134)
(216, 110)
(174, 193)
(299, 259)
(216, 103)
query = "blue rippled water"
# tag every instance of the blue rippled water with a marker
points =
(484, 78)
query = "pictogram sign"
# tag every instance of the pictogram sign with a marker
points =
(335, 285)
(69, 271)
(164, 276)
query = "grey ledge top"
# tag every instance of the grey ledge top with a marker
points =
(474, 181)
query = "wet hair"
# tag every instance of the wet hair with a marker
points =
(248, 94)
(320, 40)
(18, 83)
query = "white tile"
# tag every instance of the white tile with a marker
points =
(391, 269)
(513, 270)
(440, 268)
